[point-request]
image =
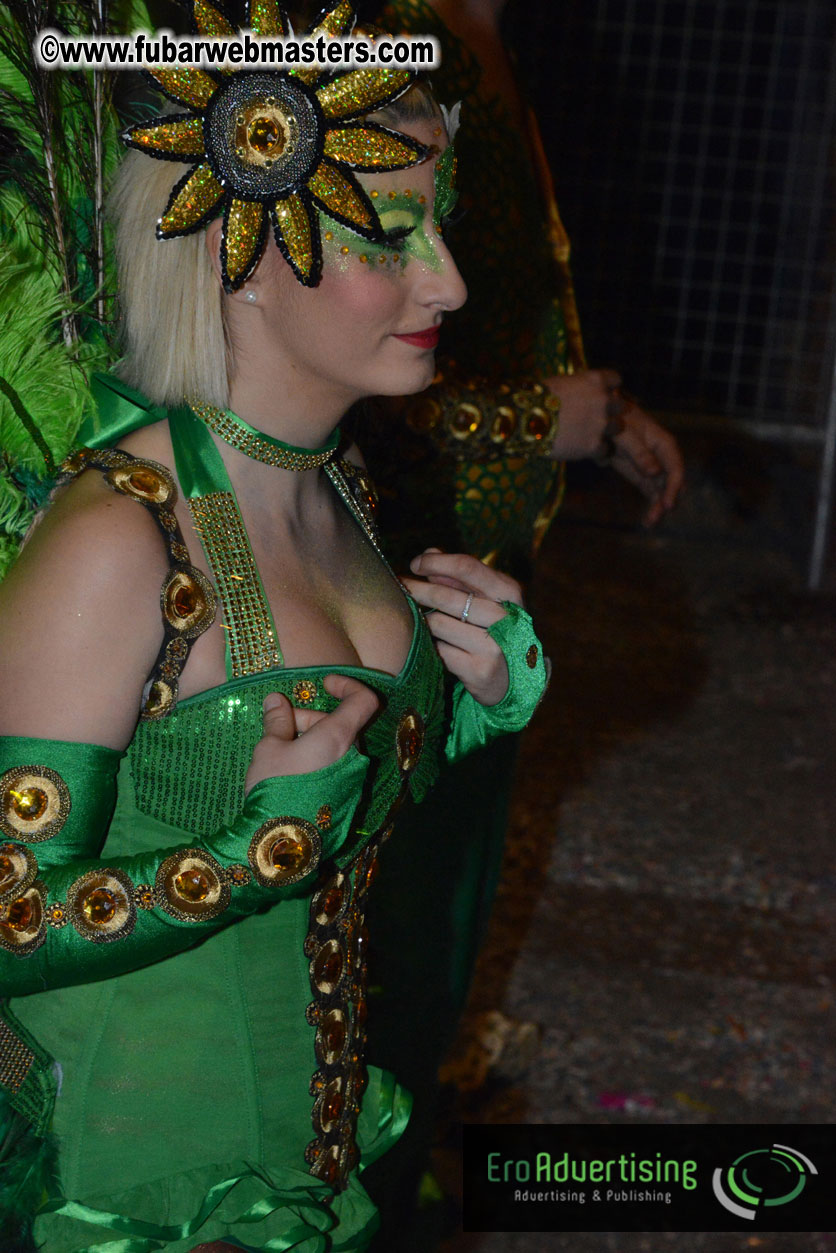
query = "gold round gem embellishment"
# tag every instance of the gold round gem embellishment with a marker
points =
(101, 906)
(144, 480)
(22, 922)
(531, 657)
(18, 870)
(327, 967)
(192, 886)
(283, 851)
(188, 602)
(56, 916)
(34, 803)
(161, 697)
(409, 740)
(144, 896)
(323, 817)
(305, 691)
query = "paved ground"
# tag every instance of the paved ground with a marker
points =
(666, 912)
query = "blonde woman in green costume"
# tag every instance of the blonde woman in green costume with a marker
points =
(192, 802)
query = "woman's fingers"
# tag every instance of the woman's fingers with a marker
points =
(464, 607)
(278, 717)
(467, 574)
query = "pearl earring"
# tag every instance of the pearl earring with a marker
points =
(251, 297)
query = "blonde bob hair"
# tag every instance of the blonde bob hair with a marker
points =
(175, 339)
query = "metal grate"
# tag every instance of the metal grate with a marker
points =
(693, 149)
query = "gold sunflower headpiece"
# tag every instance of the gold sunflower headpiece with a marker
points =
(274, 146)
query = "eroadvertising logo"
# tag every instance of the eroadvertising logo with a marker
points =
(762, 1177)
(672, 1177)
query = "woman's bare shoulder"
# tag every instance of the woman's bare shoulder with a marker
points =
(80, 618)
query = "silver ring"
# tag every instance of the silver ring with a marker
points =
(467, 605)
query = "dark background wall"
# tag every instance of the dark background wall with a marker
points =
(692, 146)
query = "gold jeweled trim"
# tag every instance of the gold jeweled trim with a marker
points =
(101, 905)
(192, 886)
(188, 602)
(34, 803)
(259, 447)
(283, 851)
(252, 636)
(15, 1059)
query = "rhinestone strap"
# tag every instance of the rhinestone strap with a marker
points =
(273, 452)
(252, 635)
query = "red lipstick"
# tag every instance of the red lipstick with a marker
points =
(422, 339)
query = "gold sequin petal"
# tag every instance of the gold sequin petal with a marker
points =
(361, 91)
(283, 851)
(190, 86)
(101, 906)
(23, 921)
(192, 886)
(297, 235)
(265, 17)
(369, 148)
(338, 194)
(192, 201)
(334, 24)
(181, 138)
(34, 803)
(209, 20)
(245, 230)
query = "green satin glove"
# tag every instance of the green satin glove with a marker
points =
(475, 725)
(67, 917)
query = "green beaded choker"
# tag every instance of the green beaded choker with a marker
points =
(273, 452)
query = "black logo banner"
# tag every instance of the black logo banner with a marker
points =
(706, 1177)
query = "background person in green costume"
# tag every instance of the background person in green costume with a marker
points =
(476, 466)
(216, 696)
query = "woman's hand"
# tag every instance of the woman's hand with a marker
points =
(596, 419)
(298, 741)
(465, 595)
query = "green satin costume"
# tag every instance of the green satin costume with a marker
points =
(187, 1018)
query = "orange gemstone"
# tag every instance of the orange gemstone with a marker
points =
(99, 906)
(29, 803)
(503, 424)
(360, 1013)
(193, 885)
(288, 853)
(20, 915)
(328, 965)
(531, 657)
(185, 601)
(145, 481)
(7, 872)
(265, 136)
(371, 873)
(330, 1171)
(332, 1107)
(331, 902)
(539, 424)
(332, 1032)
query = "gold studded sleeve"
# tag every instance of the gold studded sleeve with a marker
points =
(69, 914)
(474, 725)
(470, 420)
